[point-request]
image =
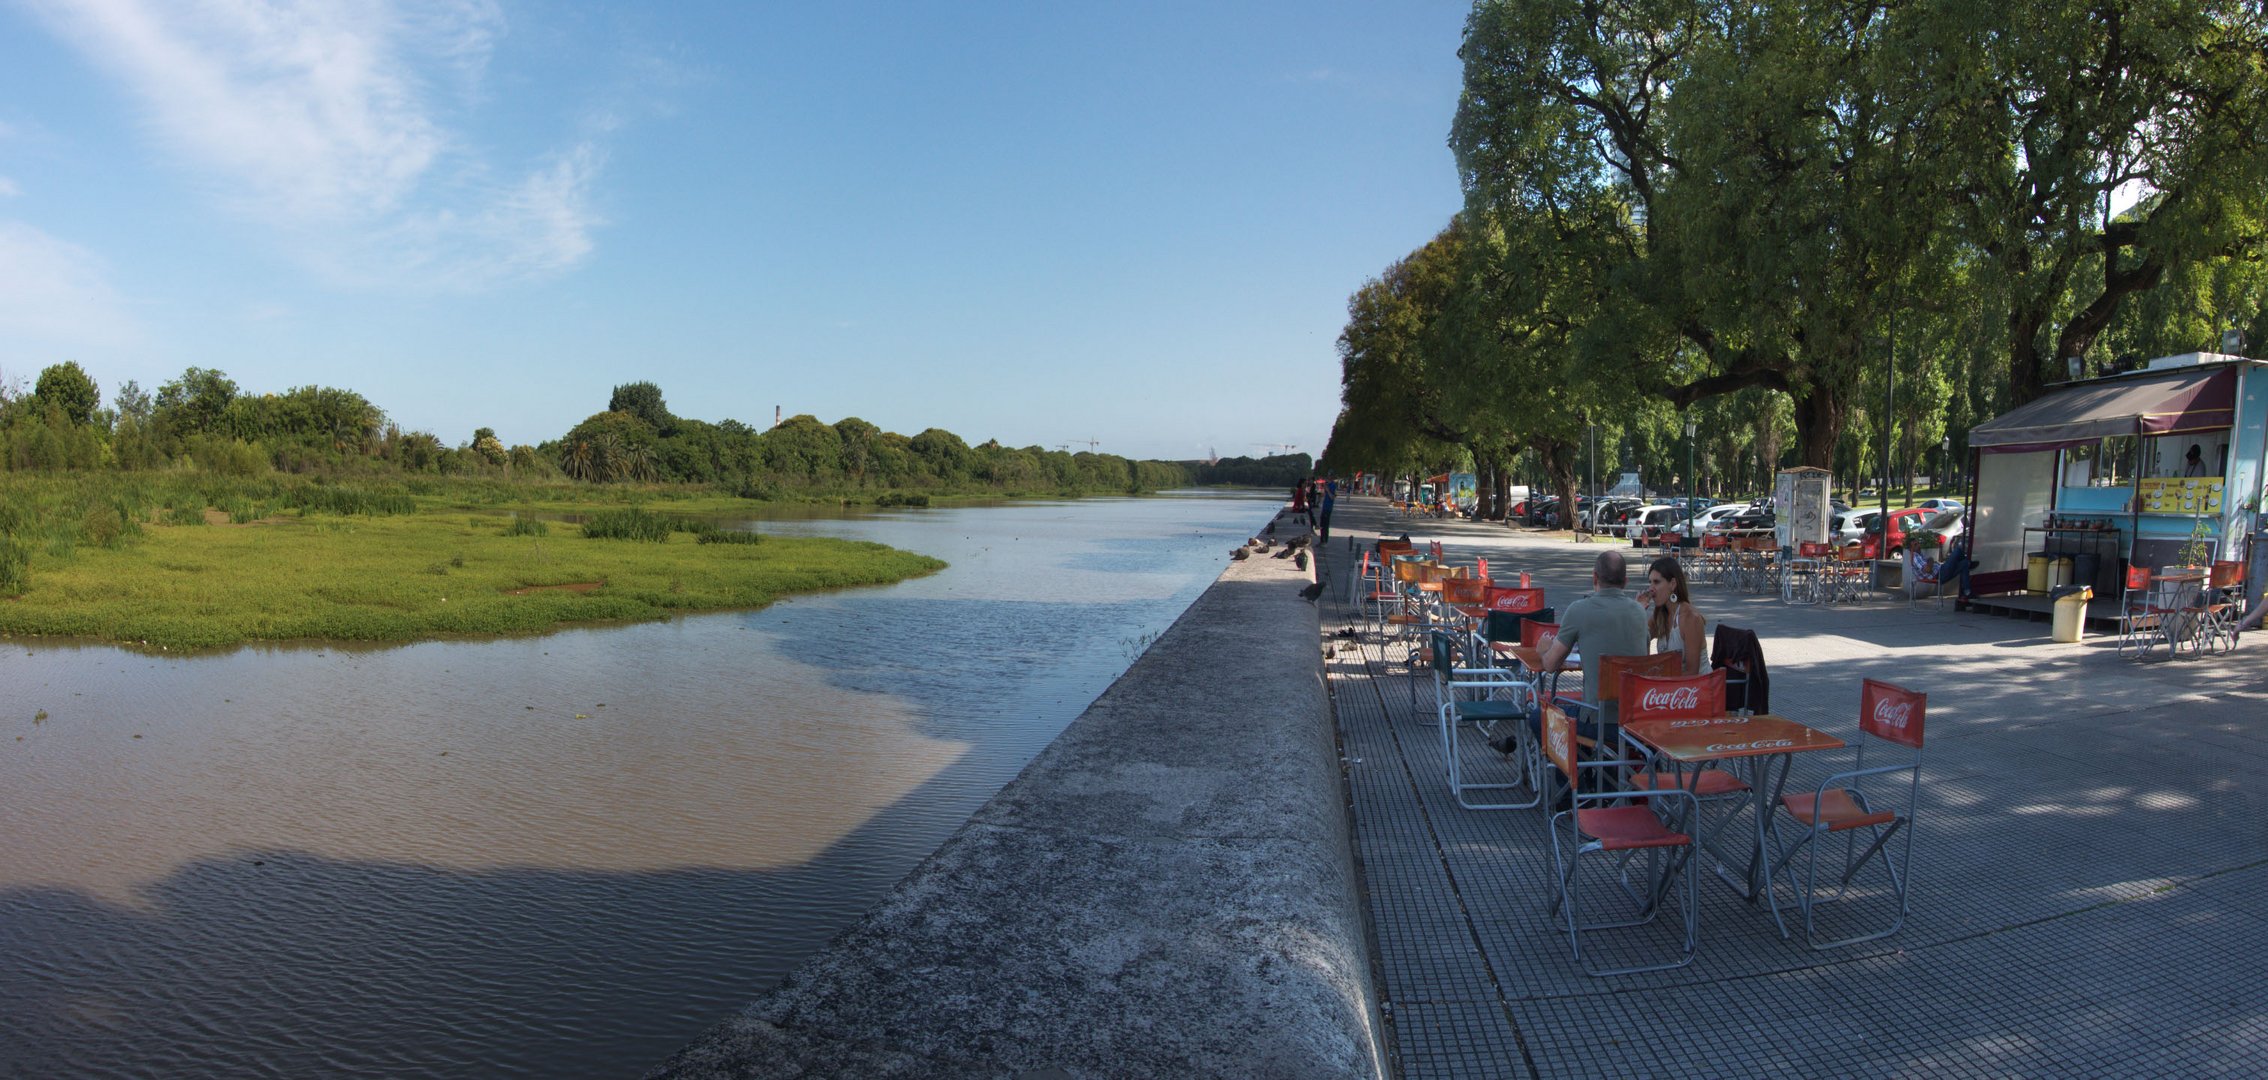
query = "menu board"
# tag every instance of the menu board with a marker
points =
(2189, 495)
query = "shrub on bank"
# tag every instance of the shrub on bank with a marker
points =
(631, 523)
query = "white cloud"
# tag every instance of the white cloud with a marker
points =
(56, 295)
(326, 121)
(8, 188)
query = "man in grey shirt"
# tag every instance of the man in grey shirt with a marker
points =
(1605, 623)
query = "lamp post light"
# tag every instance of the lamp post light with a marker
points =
(1945, 454)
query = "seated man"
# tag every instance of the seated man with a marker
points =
(1956, 566)
(1608, 622)
(1922, 572)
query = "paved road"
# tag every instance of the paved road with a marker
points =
(2090, 890)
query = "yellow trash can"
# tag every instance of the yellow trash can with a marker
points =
(2035, 573)
(2071, 613)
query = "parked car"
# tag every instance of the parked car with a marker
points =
(1851, 527)
(1940, 504)
(1607, 514)
(1947, 524)
(1708, 519)
(1901, 522)
(1646, 522)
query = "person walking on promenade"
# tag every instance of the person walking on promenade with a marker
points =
(1674, 626)
(1330, 495)
(1605, 623)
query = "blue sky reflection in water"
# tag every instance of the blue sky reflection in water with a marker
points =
(562, 855)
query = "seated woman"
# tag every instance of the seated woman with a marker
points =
(1673, 623)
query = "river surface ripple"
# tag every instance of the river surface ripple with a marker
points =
(563, 855)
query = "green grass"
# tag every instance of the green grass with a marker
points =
(430, 572)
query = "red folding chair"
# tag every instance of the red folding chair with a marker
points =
(1887, 714)
(1623, 824)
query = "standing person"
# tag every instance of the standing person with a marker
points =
(1605, 623)
(1330, 495)
(1675, 626)
(2193, 463)
(1299, 498)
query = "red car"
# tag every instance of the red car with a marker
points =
(1901, 522)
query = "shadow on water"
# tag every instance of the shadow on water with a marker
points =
(308, 966)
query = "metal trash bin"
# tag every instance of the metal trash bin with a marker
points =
(2071, 613)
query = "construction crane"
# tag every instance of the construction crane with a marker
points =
(1089, 443)
(1277, 447)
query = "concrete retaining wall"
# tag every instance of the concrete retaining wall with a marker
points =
(1167, 890)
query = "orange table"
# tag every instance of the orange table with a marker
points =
(1696, 740)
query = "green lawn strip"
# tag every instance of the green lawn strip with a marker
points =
(435, 573)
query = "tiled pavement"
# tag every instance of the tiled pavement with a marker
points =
(2090, 889)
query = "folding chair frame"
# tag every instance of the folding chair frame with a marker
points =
(1888, 714)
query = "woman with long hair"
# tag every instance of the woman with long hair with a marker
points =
(1673, 623)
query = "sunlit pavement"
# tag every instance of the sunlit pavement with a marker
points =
(2090, 870)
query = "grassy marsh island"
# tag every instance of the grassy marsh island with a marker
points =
(176, 563)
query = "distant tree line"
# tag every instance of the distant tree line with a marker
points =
(1273, 471)
(203, 420)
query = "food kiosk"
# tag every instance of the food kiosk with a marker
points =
(2161, 466)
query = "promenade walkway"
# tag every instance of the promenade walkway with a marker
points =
(2090, 890)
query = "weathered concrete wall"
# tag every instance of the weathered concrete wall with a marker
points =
(1167, 890)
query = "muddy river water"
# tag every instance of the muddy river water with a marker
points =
(562, 855)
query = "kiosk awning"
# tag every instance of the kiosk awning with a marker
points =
(2176, 401)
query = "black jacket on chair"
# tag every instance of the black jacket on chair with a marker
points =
(1748, 686)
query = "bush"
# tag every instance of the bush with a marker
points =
(728, 536)
(627, 524)
(893, 498)
(326, 499)
(185, 515)
(521, 526)
(227, 457)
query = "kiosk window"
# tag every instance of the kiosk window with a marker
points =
(2104, 463)
(2170, 455)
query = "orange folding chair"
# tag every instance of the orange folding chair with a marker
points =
(1887, 714)
(1626, 825)
(1653, 697)
(2222, 605)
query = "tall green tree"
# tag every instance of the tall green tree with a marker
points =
(67, 388)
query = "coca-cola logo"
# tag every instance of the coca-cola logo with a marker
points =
(1759, 744)
(1673, 697)
(1707, 721)
(1892, 713)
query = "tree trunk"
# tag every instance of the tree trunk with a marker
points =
(1819, 423)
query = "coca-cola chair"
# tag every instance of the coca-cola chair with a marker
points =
(1604, 741)
(1464, 600)
(1627, 826)
(1841, 806)
(1481, 696)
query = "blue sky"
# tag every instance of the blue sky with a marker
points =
(1132, 223)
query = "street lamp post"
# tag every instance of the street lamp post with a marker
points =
(1945, 454)
(1690, 487)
